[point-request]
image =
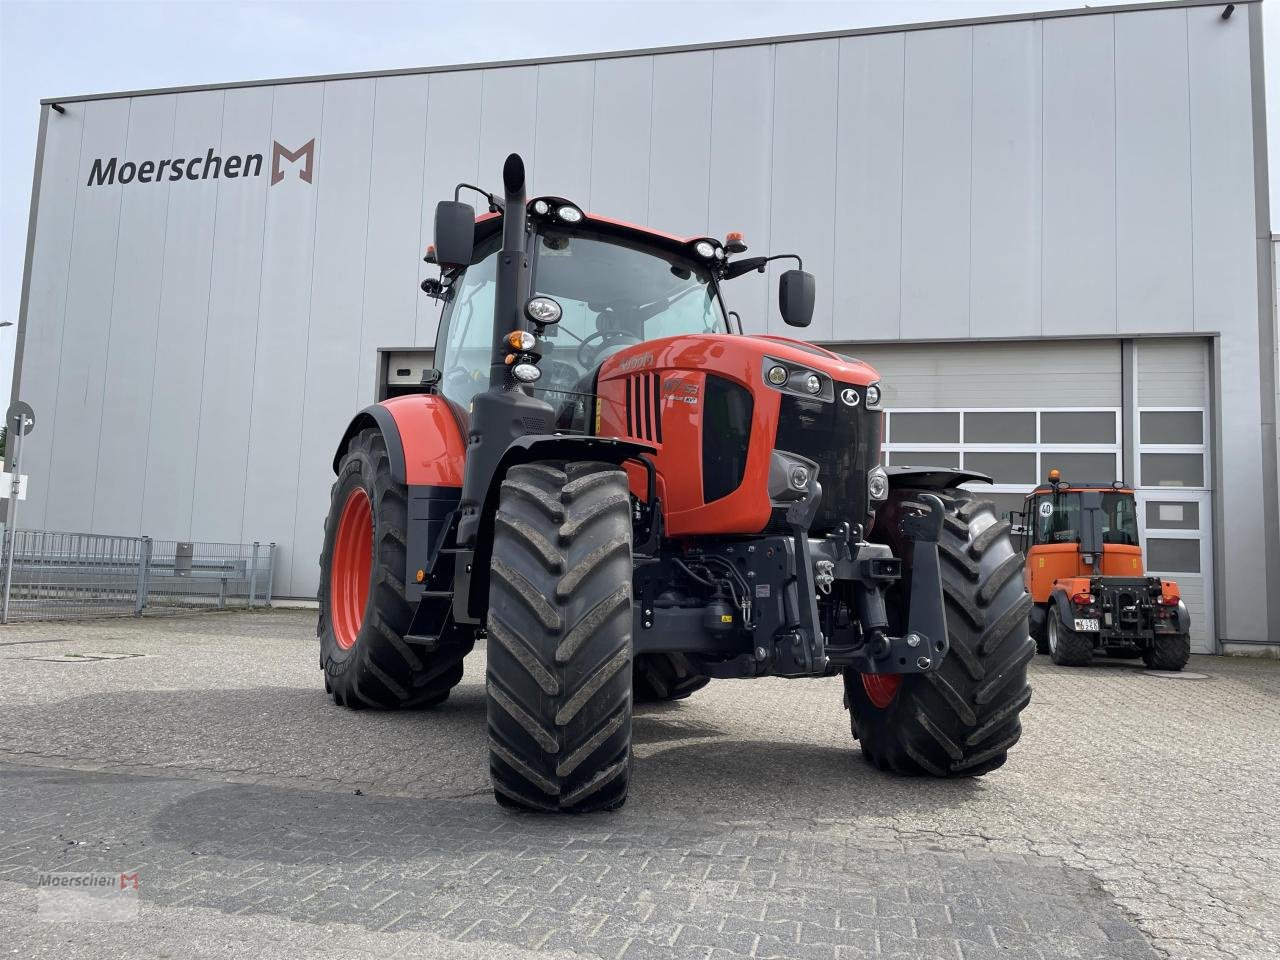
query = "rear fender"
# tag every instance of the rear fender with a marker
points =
(424, 441)
(528, 449)
(1169, 592)
(1060, 596)
(427, 453)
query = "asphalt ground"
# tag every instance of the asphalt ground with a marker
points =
(1136, 818)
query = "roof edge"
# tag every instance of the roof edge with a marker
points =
(652, 51)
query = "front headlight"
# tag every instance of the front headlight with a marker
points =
(873, 396)
(878, 484)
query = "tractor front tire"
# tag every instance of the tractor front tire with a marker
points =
(559, 647)
(1168, 651)
(960, 719)
(363, 611)
(659, 677)
(1066, 647)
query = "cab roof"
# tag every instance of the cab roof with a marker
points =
(489, 224)
(1072, 486)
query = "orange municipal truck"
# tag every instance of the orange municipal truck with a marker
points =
(1086, 579)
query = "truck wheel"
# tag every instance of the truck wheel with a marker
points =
(1066, 647)
(1041, 634)
(665, 676)
(1168, 651)
(961, 718)
(559, 627)
(363, 611)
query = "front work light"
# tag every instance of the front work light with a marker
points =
(569, 214)
(526, 372)
(705, 249)
(812, 383)
(543, 310)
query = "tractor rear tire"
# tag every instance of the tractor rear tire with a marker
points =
(960, 719)
(661, 677)
(1066, 647)
(1168, 651)
(559, 628)
(363, 611)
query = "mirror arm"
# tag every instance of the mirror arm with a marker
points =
(495, 205)
(737, 268)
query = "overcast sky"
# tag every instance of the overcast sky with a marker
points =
(62, 48)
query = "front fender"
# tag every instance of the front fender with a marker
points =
(528, 449)
(932, 478)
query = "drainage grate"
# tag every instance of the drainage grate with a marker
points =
(1176, 675)
(84, 657)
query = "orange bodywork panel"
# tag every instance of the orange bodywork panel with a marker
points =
(666, 379)
(1048, 563)
(1057, 566)
(434, 451)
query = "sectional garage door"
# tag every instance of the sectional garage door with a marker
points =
(1016, 410)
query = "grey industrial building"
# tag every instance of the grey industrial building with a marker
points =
(1049, 232)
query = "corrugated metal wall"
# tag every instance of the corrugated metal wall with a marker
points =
(194, 348)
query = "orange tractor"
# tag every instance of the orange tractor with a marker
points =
(624, 496)
(1085, 576)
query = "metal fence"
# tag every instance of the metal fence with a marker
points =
(73, 576)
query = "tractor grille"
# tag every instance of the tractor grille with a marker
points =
(844, 442)
(644, 406)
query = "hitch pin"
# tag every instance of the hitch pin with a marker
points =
(825, 575)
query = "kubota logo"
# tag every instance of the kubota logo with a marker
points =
(109, 171)
(849, 396)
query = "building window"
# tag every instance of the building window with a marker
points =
(1016, 448)
(1172, 451)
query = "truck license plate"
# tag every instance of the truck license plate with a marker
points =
(1087, 626)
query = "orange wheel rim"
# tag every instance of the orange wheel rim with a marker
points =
(881, 688)
(352, 566)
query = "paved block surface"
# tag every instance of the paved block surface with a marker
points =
(1135, 819)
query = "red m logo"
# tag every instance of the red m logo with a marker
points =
(126, 879)
(306, 153)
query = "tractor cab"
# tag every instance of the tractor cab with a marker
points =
(1085, 574)
(596, 287)
(1079, 530)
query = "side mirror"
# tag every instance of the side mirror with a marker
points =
(455, 233)
(795, 297)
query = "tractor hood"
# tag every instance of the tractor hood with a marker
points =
(745, 357)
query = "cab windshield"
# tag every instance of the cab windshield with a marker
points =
(612, 295)
(1057, 518)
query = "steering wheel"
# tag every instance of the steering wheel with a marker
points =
(587, 357)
